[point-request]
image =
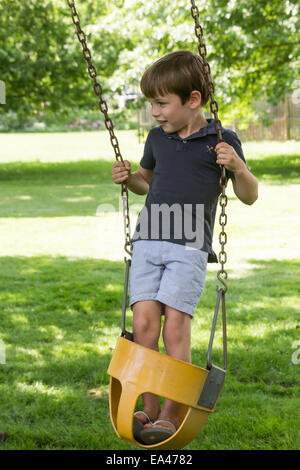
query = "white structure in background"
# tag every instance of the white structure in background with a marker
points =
(122, 99)
(2, 92)
(2, 352)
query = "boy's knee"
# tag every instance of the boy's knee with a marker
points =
(176, 329)
(142, 323)
(172, 335)
(146, 322)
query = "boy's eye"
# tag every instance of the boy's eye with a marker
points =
(160, 103)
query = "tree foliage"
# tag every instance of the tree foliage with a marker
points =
(41, 59)
(253, 47)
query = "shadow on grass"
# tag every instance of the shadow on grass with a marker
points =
(58, 189)
(77, 188)
(279, 169)
(60, 319)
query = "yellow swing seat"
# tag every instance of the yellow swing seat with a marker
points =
(135, 370)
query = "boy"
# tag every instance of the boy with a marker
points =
(180, 174)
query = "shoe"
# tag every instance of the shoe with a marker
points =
(138, 426)
(155, 435)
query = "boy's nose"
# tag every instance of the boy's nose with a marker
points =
(155, 111)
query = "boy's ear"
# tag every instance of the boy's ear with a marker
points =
(195, 99)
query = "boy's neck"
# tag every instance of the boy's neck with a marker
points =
(194, 125)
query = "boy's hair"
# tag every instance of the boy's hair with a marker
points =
(179, 72)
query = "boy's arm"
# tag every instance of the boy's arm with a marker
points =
(245, 185)
(139, 181)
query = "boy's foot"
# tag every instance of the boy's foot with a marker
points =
(140, 418)
(158, 431)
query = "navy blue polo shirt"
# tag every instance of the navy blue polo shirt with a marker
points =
(186, 180)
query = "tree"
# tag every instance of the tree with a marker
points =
(41, 59)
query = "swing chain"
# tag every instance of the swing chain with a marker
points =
(223, 183)
(206, 68)
(223, 235)
(218, 127)
(108, 122)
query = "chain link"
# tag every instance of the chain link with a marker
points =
(107, 121)
(218, 127)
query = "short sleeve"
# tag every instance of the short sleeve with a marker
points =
(148, 160)
(232, 139)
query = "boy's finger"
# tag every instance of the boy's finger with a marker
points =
(121, 179)
(220, 145)
(118, 164)
(122, 174)
(119, 168)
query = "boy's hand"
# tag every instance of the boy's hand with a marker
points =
(121, 171)
(227, 156)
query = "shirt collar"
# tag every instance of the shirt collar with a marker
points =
(206, 130)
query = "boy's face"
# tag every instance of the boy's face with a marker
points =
(170, 113)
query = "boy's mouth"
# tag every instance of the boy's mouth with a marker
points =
(162, 123)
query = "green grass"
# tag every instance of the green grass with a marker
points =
(61, 283)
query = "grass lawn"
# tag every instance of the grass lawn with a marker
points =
(61, 286)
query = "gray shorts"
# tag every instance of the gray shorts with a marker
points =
(167, 272)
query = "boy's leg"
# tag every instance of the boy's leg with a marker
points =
(177, 340)
(146, 331)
